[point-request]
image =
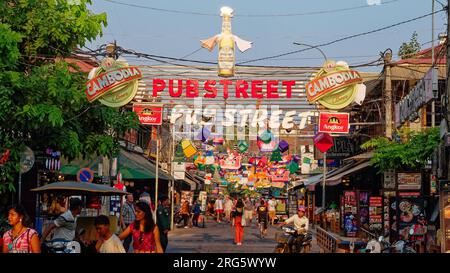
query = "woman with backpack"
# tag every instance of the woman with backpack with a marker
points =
(20, 238)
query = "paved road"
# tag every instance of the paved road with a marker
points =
(219, 238)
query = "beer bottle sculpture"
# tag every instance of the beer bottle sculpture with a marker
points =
(226, 41)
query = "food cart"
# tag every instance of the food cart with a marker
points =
(76, 189)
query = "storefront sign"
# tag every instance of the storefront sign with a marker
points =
(376, 213)
(350, 213)
(343, 147)
(337, 123)
(422, 93)
(410, 206)
(202, 196)
(336, 86)
(433, 184)
(149, 113)
(409, 181)
(113, 83)
(445, 197)
(179, 170)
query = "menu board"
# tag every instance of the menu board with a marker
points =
(350, 213)
(376, 214)
(410, 206)
(409, 181)
(393, 235)
(364, 209)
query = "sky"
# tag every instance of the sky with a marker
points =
(178, 35)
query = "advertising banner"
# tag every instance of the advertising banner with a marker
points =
(336, 123)
(376, 214)
(149, 113)
(409, 181)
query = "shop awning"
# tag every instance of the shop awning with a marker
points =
(334, 177)
(130, 164)
(78, 188)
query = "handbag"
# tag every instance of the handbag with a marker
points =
(243, 222)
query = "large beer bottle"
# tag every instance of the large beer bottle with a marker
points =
(226, 48)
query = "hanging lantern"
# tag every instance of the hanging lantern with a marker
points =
(188, 148)
(266, 137)
(296, 158)
(242, 146)
(179, 154)
(283, 146)
(252, 161)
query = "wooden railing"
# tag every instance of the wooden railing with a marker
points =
(327, 242)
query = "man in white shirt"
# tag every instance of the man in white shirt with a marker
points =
(65, 224)
(107, 242)
(218, 207)
(272, 204)
(301, 222)
(228, 208)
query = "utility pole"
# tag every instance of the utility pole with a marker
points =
(447, 117)
(433, 104)
(388, 92)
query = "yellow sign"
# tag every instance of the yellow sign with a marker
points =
(336, 86)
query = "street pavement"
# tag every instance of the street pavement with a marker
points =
(219, 238)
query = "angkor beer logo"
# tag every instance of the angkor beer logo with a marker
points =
(334, 120)
(336, 86)
(113, 83)
(334, 123)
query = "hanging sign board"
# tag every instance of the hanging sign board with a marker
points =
(149, 113)
(336, 86)
(409, 181)
(179, 170)
(337, 123)
(323, 142)
(114, 83)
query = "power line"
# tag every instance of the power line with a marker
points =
(248, 15)
(342, 39)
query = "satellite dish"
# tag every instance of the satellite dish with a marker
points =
(26, 160)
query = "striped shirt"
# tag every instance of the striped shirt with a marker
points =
(128, 213)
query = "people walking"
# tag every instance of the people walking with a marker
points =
(218, 207)
(163, 216)
(248, 210)
(107, 242)
(272, 204)
(144, 231)
(228, 207)
(238, 221)
(262, 213)
(185, 213)
(126, 218)
(196, 210)
(20, 238)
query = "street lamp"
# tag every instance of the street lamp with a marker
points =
(315, 47)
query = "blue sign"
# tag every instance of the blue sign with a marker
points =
(85, 175)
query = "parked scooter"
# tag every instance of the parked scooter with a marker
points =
(383, 246)
(290, 241)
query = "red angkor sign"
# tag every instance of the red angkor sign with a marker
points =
(149, 113)
(334, 123)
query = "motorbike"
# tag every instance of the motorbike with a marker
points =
(290, 241)
(65, 246)
(384, 246)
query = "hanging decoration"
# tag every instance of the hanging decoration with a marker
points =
(281, 175)
(262, 162)
(204, 134)
(292, 166)
(218, 141)
(231, 162)
(276, 156)
(226, 41)
(243, 146)
(188, 148)
(296, 158)
(5, 157)
(263, 147)
(266, 137)
(210, 159)
(179, 154)
(283, 146)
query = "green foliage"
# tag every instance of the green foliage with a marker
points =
(42, 98)
(407, 50)
(411, 152)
